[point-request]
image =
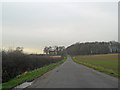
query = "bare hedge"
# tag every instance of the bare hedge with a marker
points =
(16, 62)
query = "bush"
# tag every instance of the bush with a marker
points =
(16, 62)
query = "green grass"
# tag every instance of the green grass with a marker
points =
(107, 63)
(30, 75)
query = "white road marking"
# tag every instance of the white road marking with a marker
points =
(24, 85)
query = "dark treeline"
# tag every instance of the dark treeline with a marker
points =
(16, 62)
(93, 48)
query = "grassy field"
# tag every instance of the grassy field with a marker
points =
(28, 76)
(105, 62)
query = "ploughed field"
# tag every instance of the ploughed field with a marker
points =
(108, 61)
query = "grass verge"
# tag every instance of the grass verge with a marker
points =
(29, 75)
(102, 69)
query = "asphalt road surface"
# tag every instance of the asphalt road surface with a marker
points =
(73, 75)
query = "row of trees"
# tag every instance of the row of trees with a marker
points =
(55, 50)
(93, 48)
(15, 62)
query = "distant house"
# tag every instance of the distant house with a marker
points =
(114, 47)
(52, 52)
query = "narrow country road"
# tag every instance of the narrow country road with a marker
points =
(73, 75)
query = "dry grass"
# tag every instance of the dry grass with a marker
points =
(55, 56)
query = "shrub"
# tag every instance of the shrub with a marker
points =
(16, 62)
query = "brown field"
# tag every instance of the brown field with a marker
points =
(55, 56)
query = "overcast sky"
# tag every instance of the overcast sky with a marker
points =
(36, 25)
